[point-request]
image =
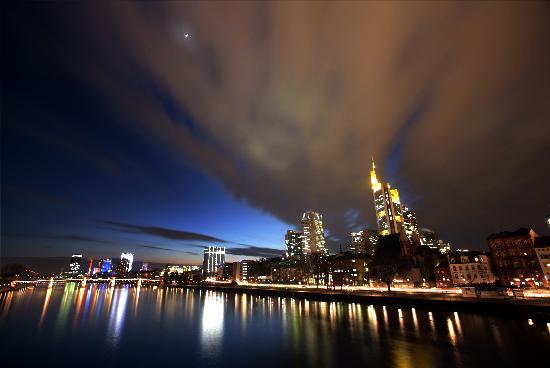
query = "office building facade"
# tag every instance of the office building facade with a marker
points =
(293, 242)
(214, 258)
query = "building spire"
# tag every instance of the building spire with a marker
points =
(373, 180)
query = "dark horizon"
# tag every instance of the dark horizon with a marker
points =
(159, 128)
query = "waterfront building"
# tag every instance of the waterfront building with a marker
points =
(514, 257)
(313, 238)
(106, 265)
(387, 206)
(214, 258)
(75, 266)
(130, 258)
(471, 267)
(542, 250)
(364, 242)
(293, 241)
(409, 223)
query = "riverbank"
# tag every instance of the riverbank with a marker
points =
(529, 308)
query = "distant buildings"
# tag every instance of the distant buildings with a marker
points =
(364, 242)
(430, 238)
(129, 257)
(75, 266)
(106, 265)
(179, 269)
(123, 266)
(514, 257)
(471, 267)
(293, 242)
(313, 238)
(214, 258)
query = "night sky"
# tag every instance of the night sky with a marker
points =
(119, 133)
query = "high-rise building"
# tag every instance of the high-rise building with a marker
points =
(313, 238)
(106, 265)
(293, 241)
(409, 223)
(364, 242)
(130, 258)
(214, 258)
(75, 267)
(387, 205)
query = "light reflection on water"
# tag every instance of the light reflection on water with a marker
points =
(208, 328)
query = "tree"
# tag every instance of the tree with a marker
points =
(389, 260)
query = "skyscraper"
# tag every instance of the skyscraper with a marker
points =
(313, 238)
(293, 241)
(364, 242)
(75, 267)
(387, 206)
(409, 223)
(214, 257)
(130, 258)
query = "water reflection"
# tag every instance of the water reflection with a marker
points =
(45, 306)
(248, 330)
(212, 323)
(116, 319)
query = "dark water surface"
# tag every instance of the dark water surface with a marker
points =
(150, 327)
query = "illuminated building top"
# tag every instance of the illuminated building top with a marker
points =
(387, 205)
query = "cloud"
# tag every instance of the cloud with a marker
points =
(284, 103)
(255, 252)
(163, 232)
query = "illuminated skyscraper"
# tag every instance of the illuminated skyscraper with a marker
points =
(75, 267)
(387, 206)
(214, 258)
(313, 238)
(409, 223)
(130, 258)
(293, 241)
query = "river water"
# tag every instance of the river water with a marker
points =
(148, 327)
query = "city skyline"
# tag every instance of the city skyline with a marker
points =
(114, 147)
